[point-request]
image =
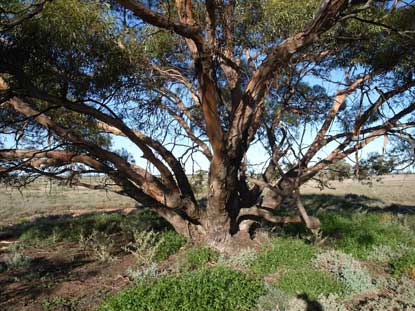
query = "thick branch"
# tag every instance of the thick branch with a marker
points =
(147, 182)
(186, 30)
(280, 55)
(141, 140)
(260, 213)
(34, 10)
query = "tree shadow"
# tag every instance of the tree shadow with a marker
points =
(336, 212)
(41, 277)
(312, 305)
(70, 226)
(352, 203)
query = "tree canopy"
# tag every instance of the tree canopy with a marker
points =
(312, 82)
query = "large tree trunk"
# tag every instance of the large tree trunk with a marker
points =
(222, 201)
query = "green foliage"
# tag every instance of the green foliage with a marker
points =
(283, 18)
(72, 41)
(199, 182)
(198, 257)
(282, 252)
(337, 171)
(219, 289)
(60, 303)
(358, 233)
(377, 164)
(158, 43)
(273, 19)
(170, 244)
(71, 50)
(309, 283)
(403, 265)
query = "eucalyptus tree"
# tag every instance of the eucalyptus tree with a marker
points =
(311, 82)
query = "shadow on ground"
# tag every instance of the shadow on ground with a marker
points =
(69, 226)
(352, 203)
(59, 265)
(40, 277)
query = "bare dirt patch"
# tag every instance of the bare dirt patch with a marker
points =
(61, 277)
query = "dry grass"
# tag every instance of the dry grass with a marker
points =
(44, 198)
(393, 189)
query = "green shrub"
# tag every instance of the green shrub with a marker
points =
(358, 233)
(282, 252)
(198, 257)
(60, 303)
(219, 289)
(171, 242)
(310, 283)
(403, 265)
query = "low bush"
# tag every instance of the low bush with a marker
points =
(403, 265)
(277, 300)
(309, 283)
(144, 247)
(68, 228)
(399, 294)
(274, 299)
(141, 274)
(17, 261)
(198, 257)
(220, 289)
(358, 233)
(385, 253)
(345, 268)
(282, 252)
(243, 260)
(170, 244)
(60, 303)
(100, 244)
(331, 302)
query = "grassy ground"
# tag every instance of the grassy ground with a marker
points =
(67, 249)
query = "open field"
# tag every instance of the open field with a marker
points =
(44, 198)
(68, 249)
(393, 189)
